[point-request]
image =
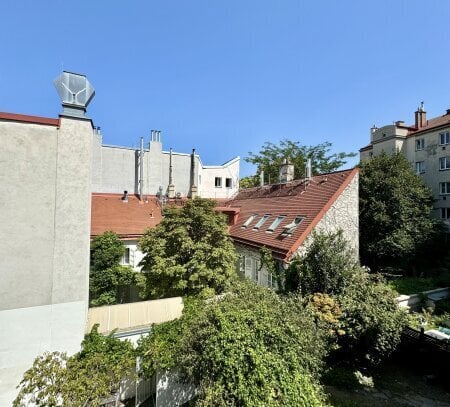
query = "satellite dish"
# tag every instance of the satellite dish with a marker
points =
(75, 91)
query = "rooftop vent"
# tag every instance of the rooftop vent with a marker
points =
(125, 196)
(76, 93)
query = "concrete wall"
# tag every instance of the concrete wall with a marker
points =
(45, 174)
(136, 314)
(116, 169)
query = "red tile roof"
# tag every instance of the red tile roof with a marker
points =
(310, 200)
(29, 119)
(128, 219)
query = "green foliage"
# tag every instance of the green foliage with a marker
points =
(109, 282)
(371, 323)
(372, 320)
(325, 268)
(342, 378)
(106, 251)
(271, 156)
(84, 379)
(395, 207)
(236, 351)
(249, 182)
(413, 285)
(188, 253)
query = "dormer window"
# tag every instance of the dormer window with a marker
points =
(289, 229)
(275, 223)
(249, 220)
(261, 222)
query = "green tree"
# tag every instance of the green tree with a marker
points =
(395, 208)
(327, 266)
(106, 251)
(109, 282)
(84, 379)
(271, 156)
(236, 351)
(189, 252)
(369, 320)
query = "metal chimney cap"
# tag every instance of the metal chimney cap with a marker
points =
(75, 91)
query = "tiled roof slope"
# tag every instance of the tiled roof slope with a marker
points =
(310, 200)
(127, 219)
(431, 124)
(29, 119)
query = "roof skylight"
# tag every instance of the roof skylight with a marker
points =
(288, 229)
(275, 223)
(261, 222)
(249, 220)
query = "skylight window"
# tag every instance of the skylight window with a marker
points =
(249, 220)
(261, 222)
(288, 229)
(275, 223)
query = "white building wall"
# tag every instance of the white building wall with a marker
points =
(44, 253)
(116, 169)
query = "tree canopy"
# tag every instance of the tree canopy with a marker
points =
(368, 322)
(250, 347)
(271, 156)
(395, 208)
(83, 379)
(189, 252)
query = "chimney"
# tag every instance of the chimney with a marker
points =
(420, 116)
(141, 170)
(308, 169)
(448, 111)
(261, 179)
(171, 188)
(194, 189)
(286, 172)
(399, 123)
(75, 92)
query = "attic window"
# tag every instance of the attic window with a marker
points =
(261, 222)
(248, 221)
(288, 229)
(275, 223)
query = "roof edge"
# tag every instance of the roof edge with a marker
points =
(22, 118)
(321, 214)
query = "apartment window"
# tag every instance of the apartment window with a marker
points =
(288, 229)
(420, 167)
(218, 182)
(444, 163)
(420, 144)
(275, 223)
(248, 221)
(256, 267)
(228, 183)
(444, 188)
(445, 213)
(444, 138)
(261, 222)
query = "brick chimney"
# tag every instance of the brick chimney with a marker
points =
(421, 117)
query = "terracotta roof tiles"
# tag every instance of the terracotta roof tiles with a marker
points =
(309, 200)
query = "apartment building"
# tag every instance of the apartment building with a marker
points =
(426, 145)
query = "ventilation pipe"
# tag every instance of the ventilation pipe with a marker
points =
(193, 186)
(308, 169)
(261, 179)
(125, 196)
(171, 188)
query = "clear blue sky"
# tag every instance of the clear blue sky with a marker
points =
(224, 76)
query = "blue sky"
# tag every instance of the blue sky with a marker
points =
(224, 76)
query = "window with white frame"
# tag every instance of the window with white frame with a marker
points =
(444, 138)
(420, 167)
(126, 256)
(275, 223)
(261, 222)
(444, 163)
(420, 144)
(445, 213)
(228, 183)
(249, 220)
(444, 188)
(218, 182)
